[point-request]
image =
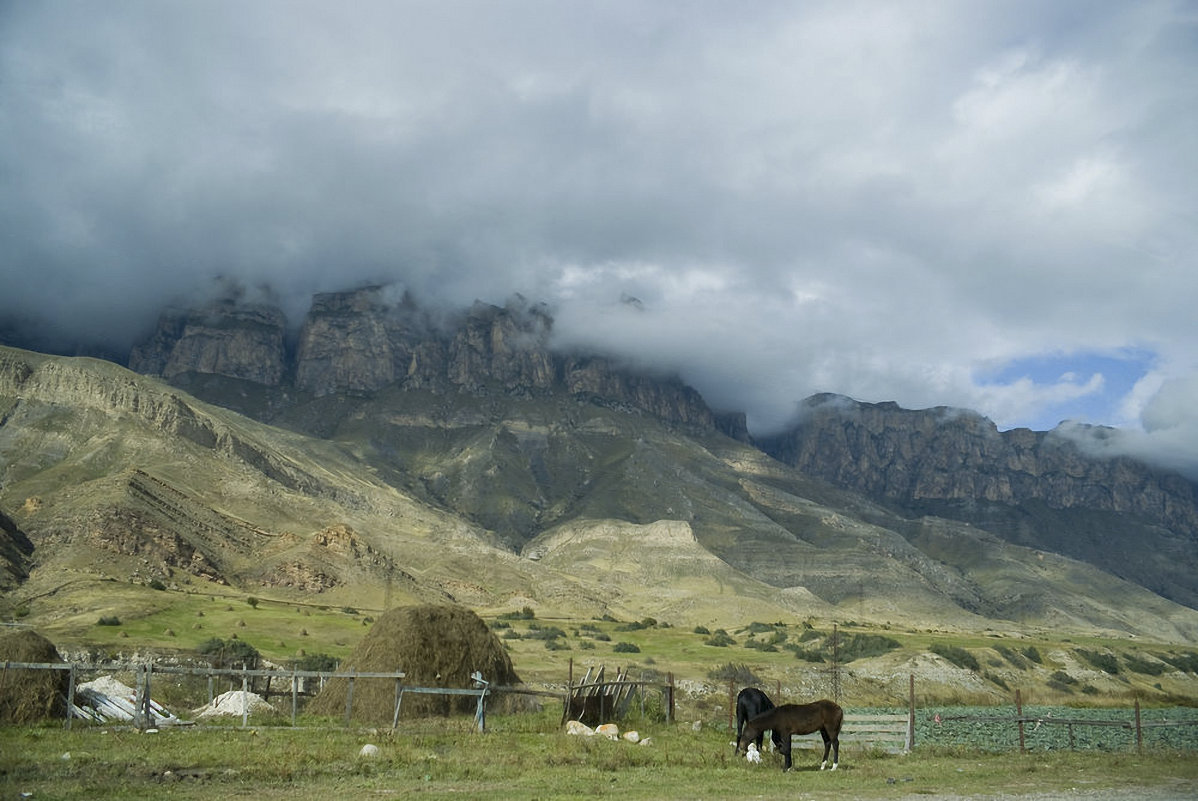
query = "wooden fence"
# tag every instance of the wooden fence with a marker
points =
(608, 699)
(1135, 725)
(596, 699)
(144, 711)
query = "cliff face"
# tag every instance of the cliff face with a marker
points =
(360, 341)
(946, 454)
(15, 549)
(1039, 489)
(230, 339)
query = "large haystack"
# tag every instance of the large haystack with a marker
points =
(30, 695)
(436, 646)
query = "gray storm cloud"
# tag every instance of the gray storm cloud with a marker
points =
(875, 199)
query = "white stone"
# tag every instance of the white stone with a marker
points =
(609, 730)
(369, 751)
(631, 736)
(579, 728)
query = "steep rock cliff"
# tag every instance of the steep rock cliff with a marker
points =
(359, 341)
(15, 550)
(227, 338)
(1040, 489)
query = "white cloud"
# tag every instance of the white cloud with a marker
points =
(885, 200)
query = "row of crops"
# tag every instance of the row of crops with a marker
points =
(1056, 727)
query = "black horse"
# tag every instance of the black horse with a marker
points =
(751, 702)
(824, 716)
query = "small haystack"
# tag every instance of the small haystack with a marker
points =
(27, 696)
(436, 646)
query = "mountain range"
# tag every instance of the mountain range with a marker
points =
(382, 451)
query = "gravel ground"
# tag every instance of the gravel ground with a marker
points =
(1170, 790)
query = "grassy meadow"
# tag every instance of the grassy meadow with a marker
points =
(527, 756)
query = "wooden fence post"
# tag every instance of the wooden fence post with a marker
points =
(398, 701)
(149, 711)
(70, 697)
(349, 698)
(910, 711)
(1139, 730)
(569, 692)
(670, 698)
(1019, 715)
(245, 697)
(731, 705)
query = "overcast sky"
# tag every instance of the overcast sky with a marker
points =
(991, 205)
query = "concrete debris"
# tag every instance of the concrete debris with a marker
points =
(233, 703)
(105, 700)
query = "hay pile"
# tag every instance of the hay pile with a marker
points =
(27, 696)
(436, 646)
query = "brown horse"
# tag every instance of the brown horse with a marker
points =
(823, 716)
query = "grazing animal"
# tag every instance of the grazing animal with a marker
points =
(751, 702)
(823, 716)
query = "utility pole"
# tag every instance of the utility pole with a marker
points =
(835, 664)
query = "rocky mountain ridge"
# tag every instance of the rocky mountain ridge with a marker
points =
(1041, 489)
(359, 341)
(476, 415)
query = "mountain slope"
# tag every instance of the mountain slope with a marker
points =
(496, 501)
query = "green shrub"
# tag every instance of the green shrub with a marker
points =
(720, 639)
(1186, 662)
(1011, 656)
(537, 632)
(317, 662)
(957, 655)
(230, 653)
(864, 646)
(625, 648)
(109, 620)
(702, 630)
(1137, 665)
(1033, 654)
(740, 674)
(1104, 662)
(807, 654)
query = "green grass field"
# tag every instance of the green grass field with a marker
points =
(529, 757)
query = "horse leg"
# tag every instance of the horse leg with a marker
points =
(786, 755)
(827, 745)
(835, 751)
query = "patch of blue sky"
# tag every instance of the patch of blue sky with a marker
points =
(1119, 371)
